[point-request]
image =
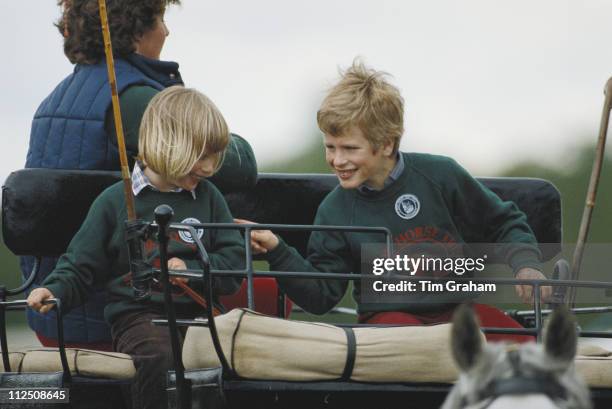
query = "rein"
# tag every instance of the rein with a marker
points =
(540, 383)
(195, 296)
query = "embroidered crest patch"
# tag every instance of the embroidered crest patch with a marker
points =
(186, 236)
(407, 206)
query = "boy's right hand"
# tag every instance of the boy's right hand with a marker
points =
(36, 298)
(176, 263)
(262, 241)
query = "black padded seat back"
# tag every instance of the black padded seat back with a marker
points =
(42, 209)
(294, 199)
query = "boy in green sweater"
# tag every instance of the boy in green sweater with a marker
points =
(182, 140)
(420, 198)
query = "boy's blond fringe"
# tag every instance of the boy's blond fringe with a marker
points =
(179, 127)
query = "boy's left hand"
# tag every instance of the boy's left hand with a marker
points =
(176, 263)
(525, 292)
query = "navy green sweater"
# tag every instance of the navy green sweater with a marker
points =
(97, 255)
(454, 208)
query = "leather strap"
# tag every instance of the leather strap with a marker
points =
(351, 346)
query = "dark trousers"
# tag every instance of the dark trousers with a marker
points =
(150, 348)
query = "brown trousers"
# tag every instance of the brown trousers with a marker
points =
(150, 348)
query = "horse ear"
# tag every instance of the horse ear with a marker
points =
(560, 336)
(466, 342)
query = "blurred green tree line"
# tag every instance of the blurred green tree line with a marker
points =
(572, 181)
(10, 274)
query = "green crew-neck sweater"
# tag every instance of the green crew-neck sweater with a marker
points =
(97, 256)
(450, 207)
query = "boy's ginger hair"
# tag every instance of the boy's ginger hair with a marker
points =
(364, 98)
(180, 126)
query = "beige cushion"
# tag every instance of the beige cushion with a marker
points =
(405, 354)
(15, 359)
(268, 348)
(84, 362)
(594, 363)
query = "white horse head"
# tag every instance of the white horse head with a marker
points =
(494, 376)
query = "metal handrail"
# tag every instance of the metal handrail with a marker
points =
(4, 292)
(247, 228)
(206, 277)
(250, 273)
(207, 274)
(163, 214)
(20, 305)
(191, 273)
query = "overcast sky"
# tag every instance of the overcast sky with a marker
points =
(489, 82)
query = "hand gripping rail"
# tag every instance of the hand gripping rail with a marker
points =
(20, 305)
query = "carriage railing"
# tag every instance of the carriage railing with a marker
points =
(16, 305)
(4, 292)
(249, 273)
(207, 274)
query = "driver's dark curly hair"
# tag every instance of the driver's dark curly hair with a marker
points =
(128, 20)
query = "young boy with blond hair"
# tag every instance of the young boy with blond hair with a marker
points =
(418, 197)
(182, 139)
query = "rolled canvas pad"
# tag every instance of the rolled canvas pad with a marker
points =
(594, 363)
(84, 362)
(405, 354)
(15, 359)
(268, 348)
